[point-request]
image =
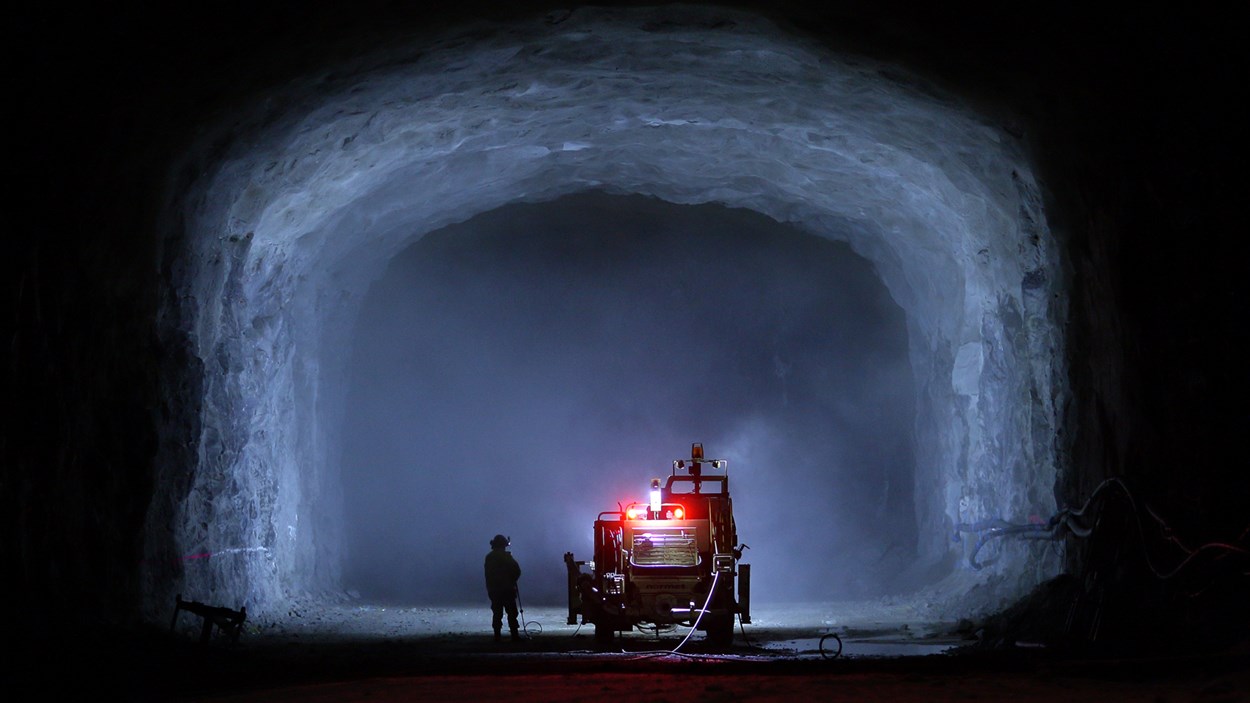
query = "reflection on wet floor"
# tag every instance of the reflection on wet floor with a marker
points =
(851, 648)
(778, 630)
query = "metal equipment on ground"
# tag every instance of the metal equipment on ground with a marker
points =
(673, 560)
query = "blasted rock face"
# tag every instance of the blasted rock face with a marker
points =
(274, 242)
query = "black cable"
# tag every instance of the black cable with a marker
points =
(1136, 509)
(525, 627)
(987, 530)
(1071, 522)
(836, 654)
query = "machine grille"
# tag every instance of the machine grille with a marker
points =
(665, 547)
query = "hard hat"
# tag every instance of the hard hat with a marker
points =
(499, 541)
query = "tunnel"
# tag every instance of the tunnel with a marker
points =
(916, 274)
(280, 238)
(634, 315)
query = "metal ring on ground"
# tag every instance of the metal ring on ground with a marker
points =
(823, 653)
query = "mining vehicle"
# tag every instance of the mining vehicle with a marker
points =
(671, 561)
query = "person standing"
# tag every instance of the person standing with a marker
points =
(502, 573)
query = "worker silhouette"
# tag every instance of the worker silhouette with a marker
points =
(502, 572)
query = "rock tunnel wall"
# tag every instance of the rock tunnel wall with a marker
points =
(273, 239)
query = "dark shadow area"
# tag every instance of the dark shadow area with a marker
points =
(529, 368)
(152, 665)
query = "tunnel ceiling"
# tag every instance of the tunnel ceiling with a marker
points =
(274, 239)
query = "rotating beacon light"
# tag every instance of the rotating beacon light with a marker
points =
(655, 496)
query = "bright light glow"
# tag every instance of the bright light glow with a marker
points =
(631, 513)
(678, 513)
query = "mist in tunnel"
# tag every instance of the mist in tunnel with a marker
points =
(524, 370)
(524, 394)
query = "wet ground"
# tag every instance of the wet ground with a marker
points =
(358, 652)
(788, 630)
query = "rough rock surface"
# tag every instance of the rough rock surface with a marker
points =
(275, 236)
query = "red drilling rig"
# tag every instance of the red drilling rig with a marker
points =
(670, 561)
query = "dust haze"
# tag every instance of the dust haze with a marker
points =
(525, 370)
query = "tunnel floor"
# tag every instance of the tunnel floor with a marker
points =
(779, 631)
(383, 653)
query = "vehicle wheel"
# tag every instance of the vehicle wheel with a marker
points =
(603, 633)
(720, 631)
